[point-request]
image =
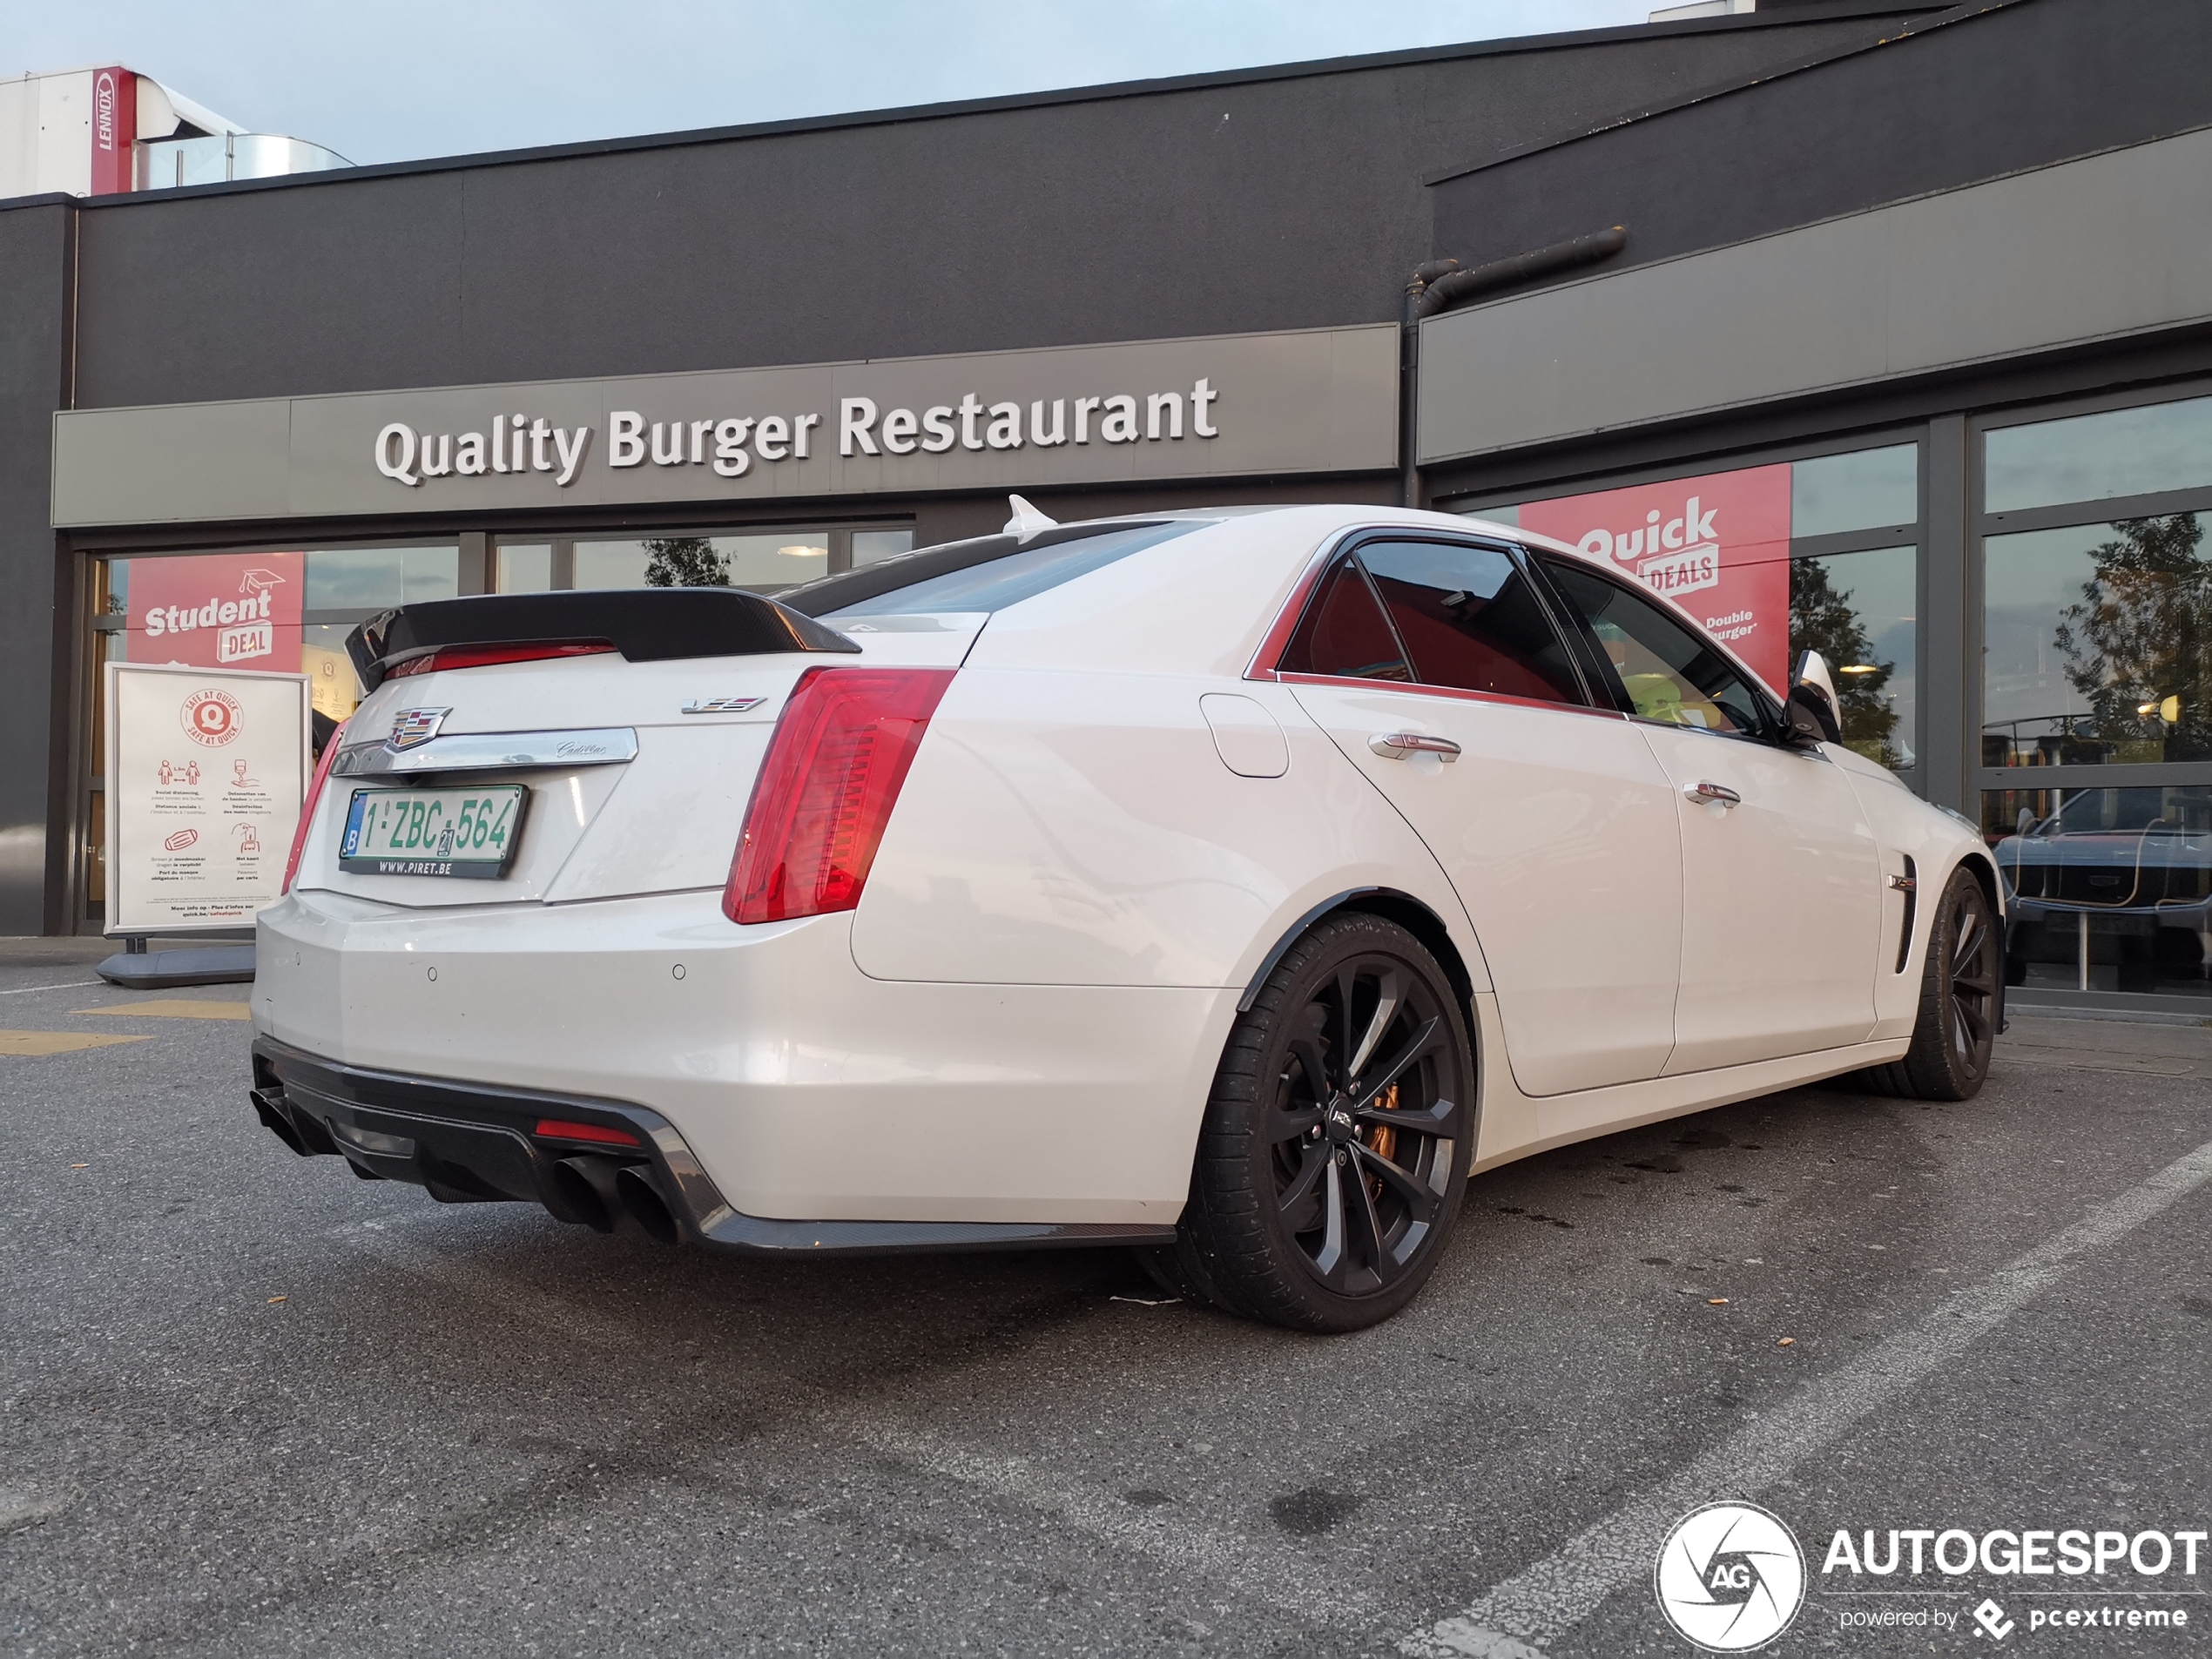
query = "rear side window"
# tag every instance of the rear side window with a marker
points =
(1470, 618)
(1670, 674)
(1343, 631)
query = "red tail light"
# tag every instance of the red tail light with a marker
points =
(826, 791)
(446, 657)
(307, 807)
(561, 1129)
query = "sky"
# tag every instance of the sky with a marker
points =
(397, 80)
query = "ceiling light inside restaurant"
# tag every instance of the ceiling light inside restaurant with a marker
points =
(1862, 668)
(801, 550)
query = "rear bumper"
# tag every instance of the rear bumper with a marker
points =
(805, 1090)
(474, 1144)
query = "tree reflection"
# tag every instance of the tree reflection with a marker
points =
(2138, 641)
(685, 561)
(1821, 618)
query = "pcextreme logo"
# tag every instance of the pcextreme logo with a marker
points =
(1730, 1577)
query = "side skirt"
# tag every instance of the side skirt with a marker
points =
(1515, 1125)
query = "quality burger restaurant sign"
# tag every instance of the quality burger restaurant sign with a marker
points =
(1232, 405)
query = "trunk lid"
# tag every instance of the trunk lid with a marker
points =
(637, 772)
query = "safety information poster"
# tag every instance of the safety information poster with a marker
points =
(206, 769)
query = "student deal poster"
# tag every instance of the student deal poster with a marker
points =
(1718, 546)
(217, 611)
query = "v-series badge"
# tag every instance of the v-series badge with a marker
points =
(722, 704)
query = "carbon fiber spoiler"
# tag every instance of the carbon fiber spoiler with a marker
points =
(646, 624)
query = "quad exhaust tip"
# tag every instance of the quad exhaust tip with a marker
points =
(597, 1191)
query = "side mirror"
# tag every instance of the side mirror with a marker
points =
(1814, 712)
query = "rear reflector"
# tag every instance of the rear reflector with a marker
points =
(451, 656)
(561, 1129)
(826, 791)
(307, 807)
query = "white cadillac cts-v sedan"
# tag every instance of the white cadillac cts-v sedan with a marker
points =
(1228, 883)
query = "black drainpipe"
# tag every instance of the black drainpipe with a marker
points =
(1409, 363)
(1440, 285)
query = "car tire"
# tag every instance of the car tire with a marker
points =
(1322, 1201)
(1956, 1028)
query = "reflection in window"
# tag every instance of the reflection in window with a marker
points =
(372, 578)
(1672, 675)
(1470, 620)
(868, 546)
(2096, 457)
(765, 562)
(2110, 889)
(2098, 643)
(1859, 612)
(1863, 490)
(1344, 632)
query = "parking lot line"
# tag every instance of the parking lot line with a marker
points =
(1553, 1595)
(65, 985)
(1234, 1562)
(43, 1042)
(176, 1008)
(1252, 1569)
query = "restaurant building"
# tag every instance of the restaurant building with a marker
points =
(1881, 329)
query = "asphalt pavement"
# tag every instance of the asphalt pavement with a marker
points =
(251, 1405)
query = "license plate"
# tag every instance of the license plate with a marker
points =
(433, 832)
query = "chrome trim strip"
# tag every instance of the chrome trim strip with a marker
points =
(490, 751)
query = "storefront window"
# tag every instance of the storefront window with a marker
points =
(764, 563)
(2141, 451)
(2108, 889)
(1863, 490)
(375, 578)
(2098, 643)
(525, 567)
(1820, 554)
(868, 546)
(283, 612)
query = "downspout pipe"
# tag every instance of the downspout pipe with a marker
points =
(1460, 286)
(1440, 285)
(1409, 353)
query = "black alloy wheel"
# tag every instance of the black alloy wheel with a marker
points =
(1336, 1144)
(1956, 1029)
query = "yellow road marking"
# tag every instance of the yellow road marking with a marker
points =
(177, 1008)
(58, 1042)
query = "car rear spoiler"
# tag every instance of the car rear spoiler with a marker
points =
(646, 624)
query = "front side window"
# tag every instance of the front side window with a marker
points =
(1669, 674)
(1470, 619)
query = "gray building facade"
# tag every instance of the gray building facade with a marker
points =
(1887, 269)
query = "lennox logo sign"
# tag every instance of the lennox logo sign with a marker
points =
(115, 126)
(104, 109)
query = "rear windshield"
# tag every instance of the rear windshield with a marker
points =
(1000, 576)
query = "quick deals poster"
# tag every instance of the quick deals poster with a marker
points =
(1718, 546)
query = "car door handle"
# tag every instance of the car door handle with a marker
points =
(1709, 794)
(1396, 746)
